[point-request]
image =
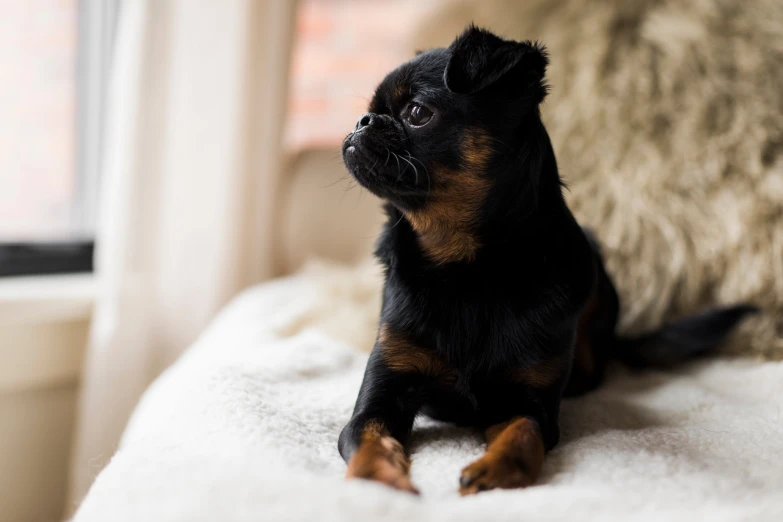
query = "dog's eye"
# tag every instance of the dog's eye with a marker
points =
(418, 115)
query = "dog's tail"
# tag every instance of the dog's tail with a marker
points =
(681, 340)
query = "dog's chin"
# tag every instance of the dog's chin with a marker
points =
(360, 167)
(385, 180)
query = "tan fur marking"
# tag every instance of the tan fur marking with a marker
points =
(400, 92)
(403, 356)
(542, 374)
(519, 437)
(514, 457)
(381, 457)
(447, 223)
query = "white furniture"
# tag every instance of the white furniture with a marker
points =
(244, 428)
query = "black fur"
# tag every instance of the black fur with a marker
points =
(516, 303)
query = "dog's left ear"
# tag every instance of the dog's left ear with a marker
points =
(480, 59)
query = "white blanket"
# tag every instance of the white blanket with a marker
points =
(244, 428)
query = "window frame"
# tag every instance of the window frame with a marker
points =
(96, 35)
(31, 258)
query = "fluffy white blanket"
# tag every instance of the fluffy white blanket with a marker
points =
(244, 428)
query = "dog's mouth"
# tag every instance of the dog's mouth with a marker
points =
(385, 168)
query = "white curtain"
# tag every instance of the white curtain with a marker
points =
(193, 160)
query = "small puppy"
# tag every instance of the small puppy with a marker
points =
(496, 303)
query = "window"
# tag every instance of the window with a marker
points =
(54, 59)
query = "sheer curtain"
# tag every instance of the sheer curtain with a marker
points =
(193, 160)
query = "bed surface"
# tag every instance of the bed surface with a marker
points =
(244, 428)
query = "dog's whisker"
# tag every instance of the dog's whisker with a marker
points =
(348, 188)
(415, 170)
(399, 220)
(427, 172)
(342, 178)
(399, 169)
(373, 166)
(418, 160)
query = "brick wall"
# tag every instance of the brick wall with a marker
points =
(343, 50)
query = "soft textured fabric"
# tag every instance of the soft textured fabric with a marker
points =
(667, 120)
(244, 428)
(196, 104)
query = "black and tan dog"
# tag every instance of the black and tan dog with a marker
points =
(496, 302)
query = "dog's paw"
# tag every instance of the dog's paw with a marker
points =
(494, 471)
(383, 461)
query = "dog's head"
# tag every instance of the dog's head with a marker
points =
(439, 129)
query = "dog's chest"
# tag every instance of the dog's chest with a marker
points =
(472, 331)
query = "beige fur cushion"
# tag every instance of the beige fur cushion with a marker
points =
(666, 117)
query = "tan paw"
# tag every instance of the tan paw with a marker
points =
(383, 461)
(494, 471)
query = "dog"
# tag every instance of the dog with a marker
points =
(496, 302)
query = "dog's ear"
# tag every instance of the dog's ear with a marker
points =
(480, 59)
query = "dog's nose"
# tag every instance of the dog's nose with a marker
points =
(365, 120)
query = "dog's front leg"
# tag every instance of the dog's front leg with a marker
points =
(515, 452)
(530, 404)
(372, 443)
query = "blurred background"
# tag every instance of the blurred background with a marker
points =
(56, 58)
(157, 157)
(66, 138)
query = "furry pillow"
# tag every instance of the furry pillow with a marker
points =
(667, 118)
